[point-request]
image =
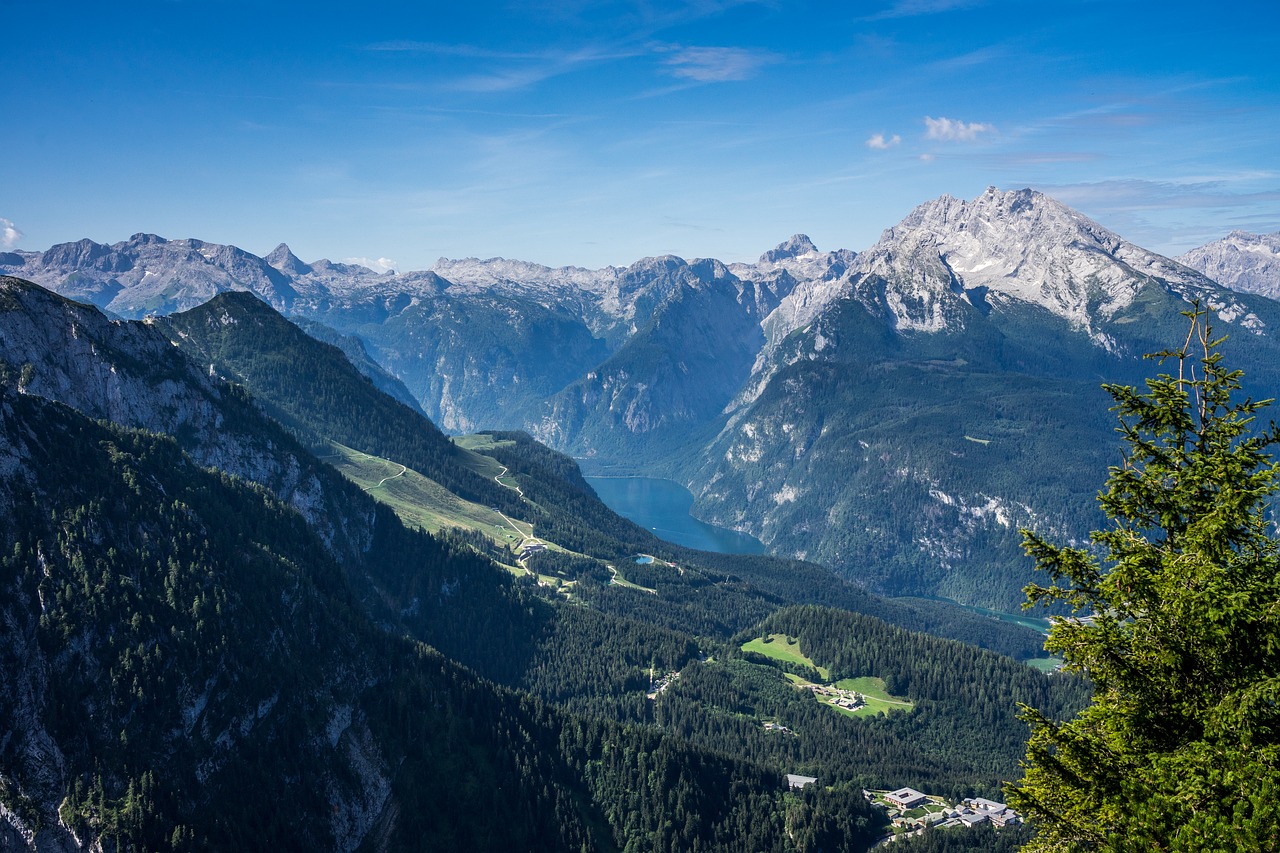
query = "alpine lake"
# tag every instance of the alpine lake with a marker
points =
(662, 507)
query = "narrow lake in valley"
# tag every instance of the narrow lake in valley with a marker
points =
(662, 507)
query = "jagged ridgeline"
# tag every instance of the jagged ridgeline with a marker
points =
(196, 664)
(896, 415)
(317, 392)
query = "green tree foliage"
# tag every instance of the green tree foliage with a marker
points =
(1180, 749)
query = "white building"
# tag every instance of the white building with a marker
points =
(906, 798)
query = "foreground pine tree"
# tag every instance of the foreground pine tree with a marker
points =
(1178, 627)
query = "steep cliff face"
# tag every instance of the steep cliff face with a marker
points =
(132, 611)
(196, 667)
(669, 359)
(673, 377)
(131, 374)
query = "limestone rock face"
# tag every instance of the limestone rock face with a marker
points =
(1241, 261)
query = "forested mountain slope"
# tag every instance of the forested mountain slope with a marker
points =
(945, 392)
(188, 669)
(316, 392)
(222, 629)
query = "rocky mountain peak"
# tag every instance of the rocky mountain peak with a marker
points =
(1241, 261)
(793, 247)
(1020, 245)
(144, 239)
(283, 259)
(80, 253)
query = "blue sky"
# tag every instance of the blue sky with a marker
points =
(593, 133)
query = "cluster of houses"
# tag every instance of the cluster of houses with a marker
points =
(838, 696)
(934, 812)
(659, 683)
(977, 810)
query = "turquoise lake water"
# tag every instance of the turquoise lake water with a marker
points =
(662, 507)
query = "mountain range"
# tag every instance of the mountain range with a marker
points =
(896, 413)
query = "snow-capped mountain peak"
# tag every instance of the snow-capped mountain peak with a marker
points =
(1022, 246)
(793, 247)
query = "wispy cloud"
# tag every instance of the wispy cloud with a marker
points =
(9, 234)
(511, 70)
(379, 265)
(468, 51)
(950, 130)
(717, 64)
(880, 143)
(1140, 194)
(1171, 216)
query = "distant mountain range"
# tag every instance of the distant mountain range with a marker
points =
(897, 414)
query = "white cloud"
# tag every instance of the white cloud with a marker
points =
(927, 158)
(380, 265)
(950, 130)
(879, 143)
(9, 234)
(717, 64)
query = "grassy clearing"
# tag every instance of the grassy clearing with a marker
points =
(872, 690)
(480, 443)
(780, 647)
(486, 466)
(1045, 664)
(878, 698)
(418, 500)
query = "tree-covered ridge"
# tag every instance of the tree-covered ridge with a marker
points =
(709, 594)
(389, 591)
(909, 459)
(313, 388)
(173, 624)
